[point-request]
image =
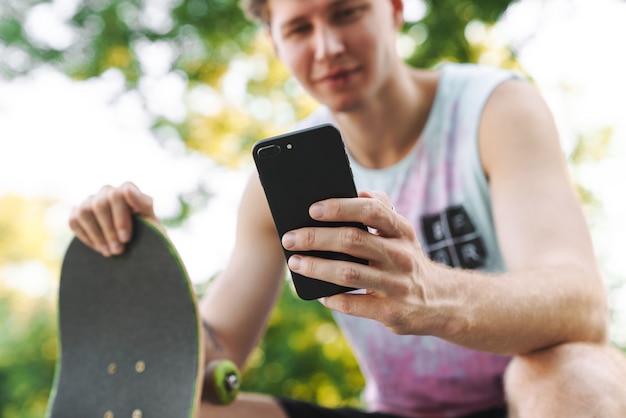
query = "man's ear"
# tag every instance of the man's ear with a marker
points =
(398, 13)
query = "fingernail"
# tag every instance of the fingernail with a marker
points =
(116, 247)
(317, 210)
(289, 240)
(294, 262)
(104, 250)
(123, 235)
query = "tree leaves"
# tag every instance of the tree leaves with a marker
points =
(444, 26)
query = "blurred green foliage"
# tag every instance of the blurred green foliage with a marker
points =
(28, 350)
(303, 355)
(28, 338)
(442, 30)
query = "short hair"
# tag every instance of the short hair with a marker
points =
(257, 10)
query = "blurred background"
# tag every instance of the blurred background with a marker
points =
(170, 94)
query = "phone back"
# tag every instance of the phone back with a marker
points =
(296, 170)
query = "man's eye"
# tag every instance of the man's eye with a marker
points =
(345, 13)
(349, 14)
(301, 29)
(298, 30)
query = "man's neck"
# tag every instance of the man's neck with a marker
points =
(384, 130)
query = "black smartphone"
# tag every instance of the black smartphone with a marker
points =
(296, 170)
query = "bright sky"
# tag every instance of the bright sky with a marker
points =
(63, 140)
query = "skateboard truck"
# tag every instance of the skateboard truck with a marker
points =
(231, 382)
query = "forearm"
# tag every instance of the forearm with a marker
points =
(234, 321)
(520, 311)
(213, 347)
(238, 303)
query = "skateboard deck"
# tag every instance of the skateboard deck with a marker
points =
(130, 337)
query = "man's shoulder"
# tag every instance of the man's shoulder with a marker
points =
(472, 71)
(468, 86)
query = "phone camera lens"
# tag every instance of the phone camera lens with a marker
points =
(268, 151)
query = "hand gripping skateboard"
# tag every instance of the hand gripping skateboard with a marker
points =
(130, 337)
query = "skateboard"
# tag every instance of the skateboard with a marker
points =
(130, 335)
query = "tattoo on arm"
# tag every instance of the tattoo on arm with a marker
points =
(214, 343)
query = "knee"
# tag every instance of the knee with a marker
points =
(570, 374)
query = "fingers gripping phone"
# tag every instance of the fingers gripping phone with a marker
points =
(296, 170)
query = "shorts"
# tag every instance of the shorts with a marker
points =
(299, 409)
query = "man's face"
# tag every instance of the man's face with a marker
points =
(341, 51)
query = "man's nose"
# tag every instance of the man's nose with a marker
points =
(328, 43)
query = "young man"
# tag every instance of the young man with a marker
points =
(481, 262)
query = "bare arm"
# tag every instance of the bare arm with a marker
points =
(237, 305)
(553, 292)
(554, 277)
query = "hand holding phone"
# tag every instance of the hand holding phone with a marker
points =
(296, 170)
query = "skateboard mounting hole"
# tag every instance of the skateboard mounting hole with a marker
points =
(112, 369)
(140, 367)
(137, 413)
(108, 414)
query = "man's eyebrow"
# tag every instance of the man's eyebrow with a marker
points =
(302, 19)
(339, 3)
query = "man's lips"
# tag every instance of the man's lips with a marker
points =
(338, 77)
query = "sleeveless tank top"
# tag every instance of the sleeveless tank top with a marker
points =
(441, 188)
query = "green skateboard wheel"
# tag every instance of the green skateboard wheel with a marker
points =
(221, 382)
